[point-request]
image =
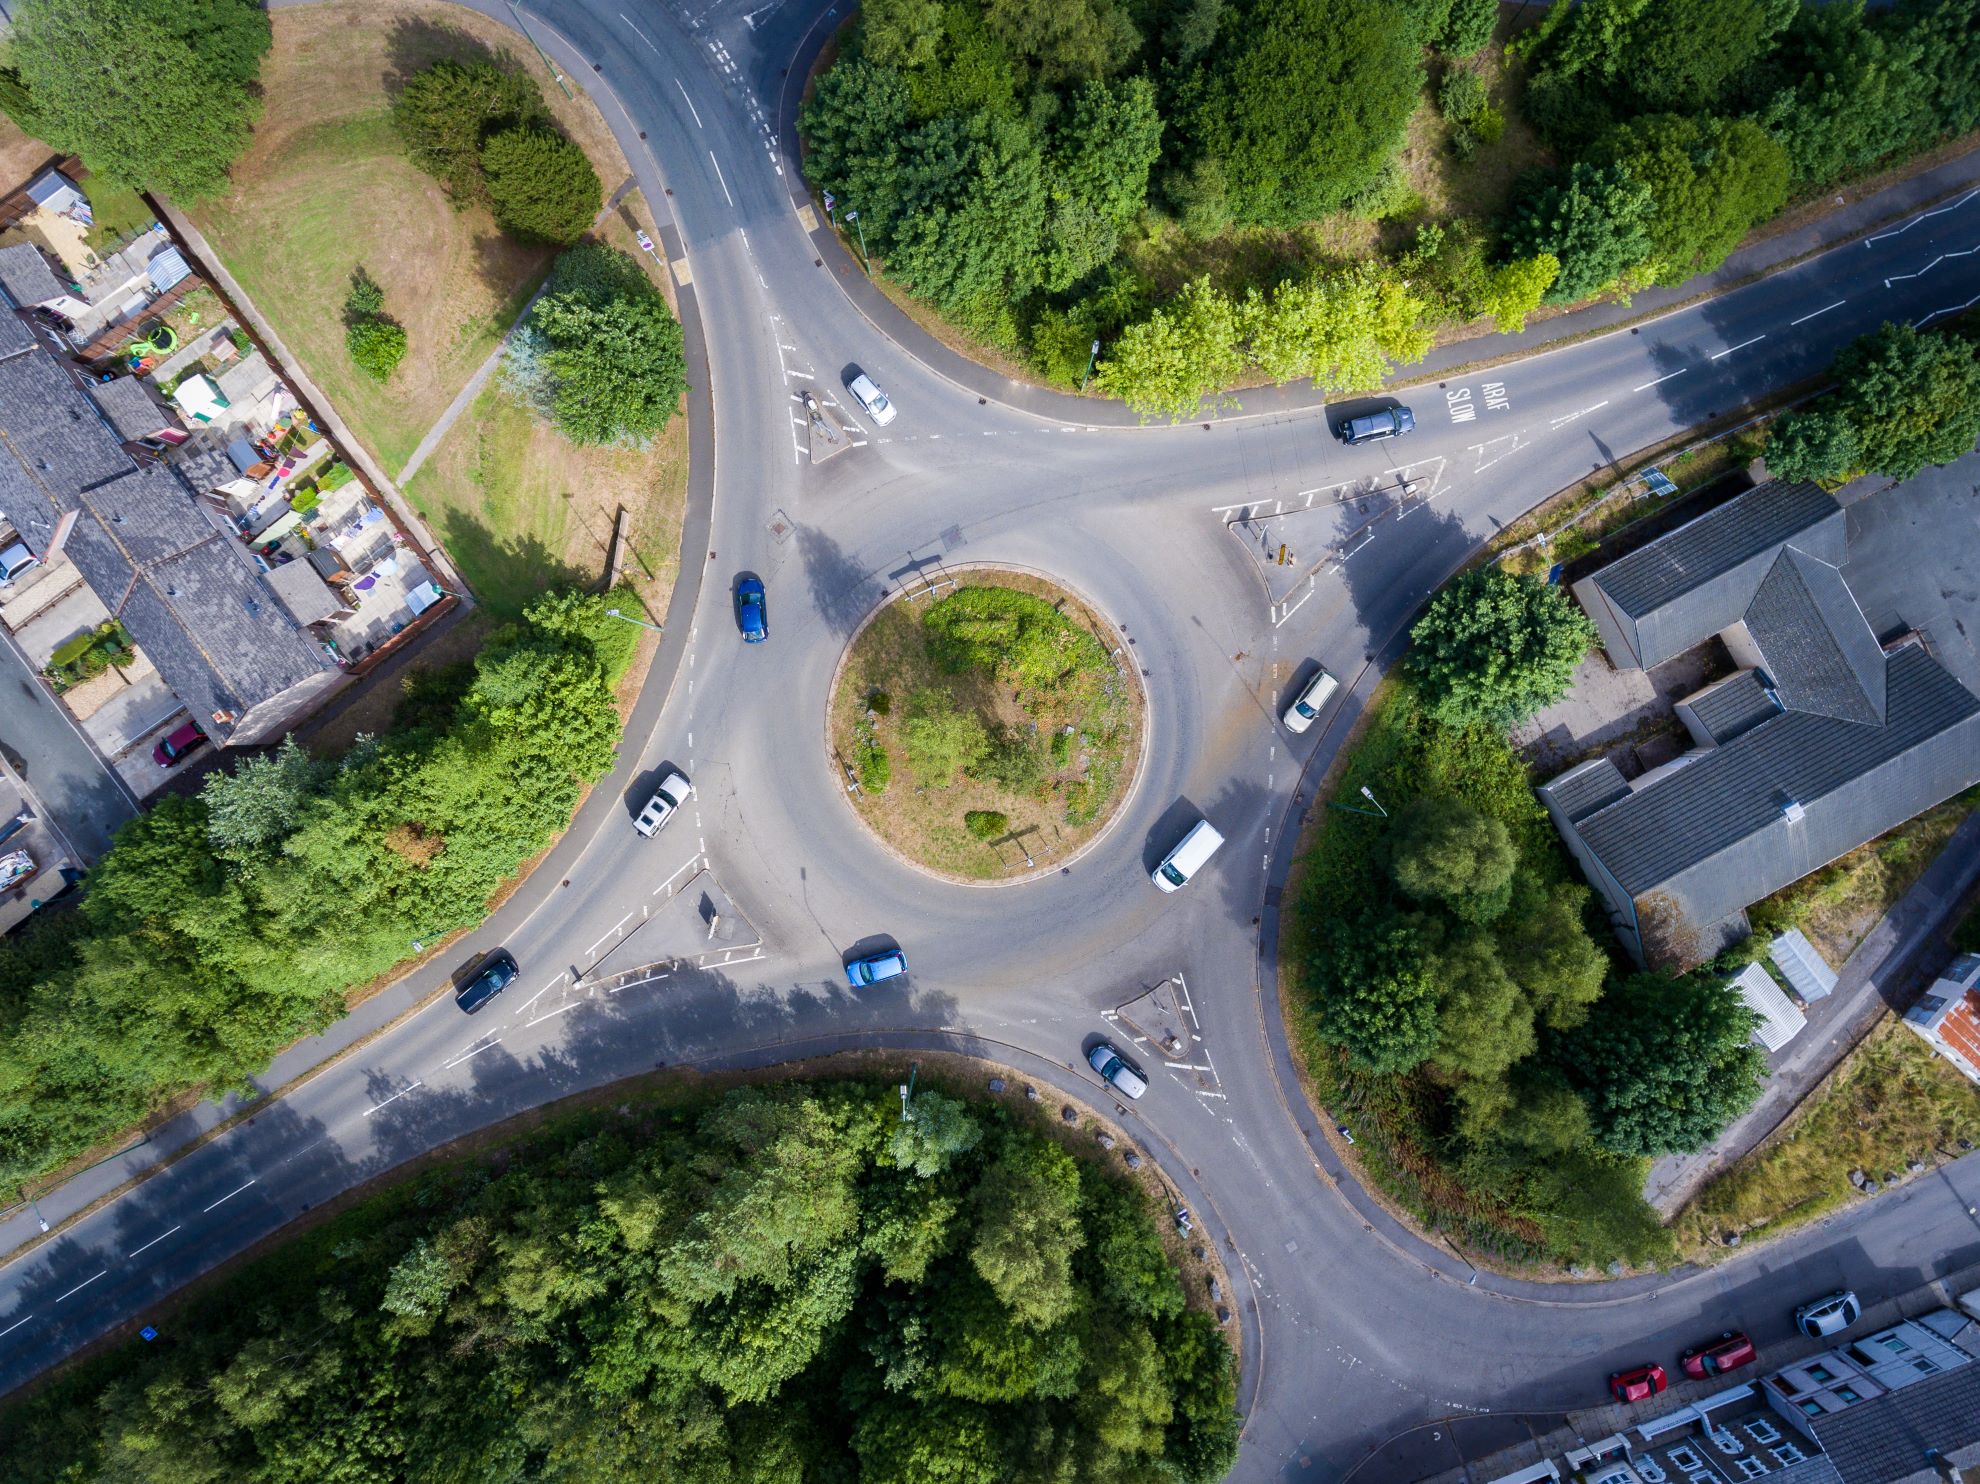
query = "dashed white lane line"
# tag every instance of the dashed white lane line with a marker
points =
(718, 177)
(1741, 346)
(395, 1097)
(476, 1052)
(643, 37)
(80, 1287)
(1666, 377)
(685, 98)
(14, 1326)
(225, 1198)
(1818, 313)
(1922, 216)
(155, 1241)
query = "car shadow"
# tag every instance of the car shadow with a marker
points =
(1166, 833)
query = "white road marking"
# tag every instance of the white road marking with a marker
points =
(1661, 379)
(643, 37)
(404, 1090)
(80, 1286)
(552, 1014)
(14, 1326)
(1571, 416)
(154, 1241)
(1818, 313)
(718, 176)
(1942, 257)
(1949, 309)
(1741, 346)
(1922, 216)
(225, 1198)
(466, 1054)
(684, 94)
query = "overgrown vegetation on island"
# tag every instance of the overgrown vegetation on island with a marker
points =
(1217, 190)
(1504, 1077)
(221, 926)
(793, 1283)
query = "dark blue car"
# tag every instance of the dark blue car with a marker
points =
(876, 967)
(750, 611)
(496, 975)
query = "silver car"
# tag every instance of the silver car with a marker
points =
(1116, 1070)
(871, 398)
(1305, 708)
(1828, 1316)
(669, 796)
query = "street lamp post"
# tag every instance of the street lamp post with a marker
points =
(614, 613)
(1378, 812)
(40, 1220)
(1091, 356)
(864, 261)
(907, 1093)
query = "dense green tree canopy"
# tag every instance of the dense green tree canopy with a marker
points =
(1182, 353)
(1710, 180)
(1376, 988)
(600, 354)
(1912, 396)
(155, 96)
(1818, 442)
(1443, 850)
(541, 186)
(1594, 220)
(688, 1296)
(447, 111)
(1495, 647)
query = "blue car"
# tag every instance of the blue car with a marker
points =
(876, 967)
(750, 616)
(496, 975)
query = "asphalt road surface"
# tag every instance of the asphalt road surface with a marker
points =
(1355, 1331)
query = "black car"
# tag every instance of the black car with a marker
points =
(495, 976)
(1389, 422)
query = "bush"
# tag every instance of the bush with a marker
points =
(447, 112)
(1461, 95)
(541, 187)
(1013, 762)
(879, 702)
(600, 355)
(1062, 746)
(377, 346)
(985, 824)
(940, 741)
(876, 769)
(364, 299)
(1470, 27)
(1023, 640)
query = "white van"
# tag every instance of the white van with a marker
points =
(1188, 857)
(1306, 705)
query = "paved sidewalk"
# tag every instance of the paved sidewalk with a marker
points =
(1880, 975)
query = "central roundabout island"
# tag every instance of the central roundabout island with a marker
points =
(988, 729)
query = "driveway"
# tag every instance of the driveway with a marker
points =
(85, 798)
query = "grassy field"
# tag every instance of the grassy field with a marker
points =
(521, 509)
(1082, 778)
(1841, 902)
(1891, 1102)
(326, 187)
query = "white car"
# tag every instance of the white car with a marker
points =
(871, 398)
(1116, 1070)
(669, 796)
(1305, 709)
(1828, 1316)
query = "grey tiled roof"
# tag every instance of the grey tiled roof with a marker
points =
(245, 639)
(26, 276)
(1579, 792)
(149, 513)
(130, 409)
(303, 591)
(52, 428)
(16, 335)
(105, 565)
(1736, 704)
(205, 466)
(1820, 652)
(1852, 780)
(1887, 1439)
(26, 503)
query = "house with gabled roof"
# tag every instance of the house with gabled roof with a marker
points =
(1822, 739)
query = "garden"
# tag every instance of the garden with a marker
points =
(89, 654)
(988, 732)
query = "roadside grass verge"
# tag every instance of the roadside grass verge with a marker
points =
(1889, 1103)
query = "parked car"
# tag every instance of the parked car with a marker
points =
(176, 744)
(495, 976)
(14, 560)
(1639, 1384)
(1727, 1353)
(669, 796)
(871, 398)
(1827, 1316)
(875, 967)
(1373, 427)
(752, 615)
(1116, 1070)
(1305, 708)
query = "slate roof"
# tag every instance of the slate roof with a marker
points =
(1886, 1439)
(52, 428)
(303, 591)
(1819, 647)
(1736, 704)
(26, 276)
(16, 335)
(1579, 792)
(129, 408)
(204, 466)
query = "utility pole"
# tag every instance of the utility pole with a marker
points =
(864, 261)
(1092, 355)
(907, 1093)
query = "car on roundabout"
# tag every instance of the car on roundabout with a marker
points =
(494, 976)
(876, 968)
(667, 798)
(1305, 708)
(1727, 1353)
(1639, 1383)
(752, 610)
(1116, 1070)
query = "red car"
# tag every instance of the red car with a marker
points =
(177, 745)
(1727, 1353)
(1639, 1384)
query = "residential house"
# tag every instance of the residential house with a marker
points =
(1822, 739)
(1948, 1015)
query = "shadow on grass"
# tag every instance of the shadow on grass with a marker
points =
(505, 572)
(414, 44)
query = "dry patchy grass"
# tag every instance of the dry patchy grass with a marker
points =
(326, 186)
(1888, 1103)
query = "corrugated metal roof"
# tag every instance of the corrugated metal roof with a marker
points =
(167, 267)
(1735, 705)
(1780, 1021)
(1805, 969)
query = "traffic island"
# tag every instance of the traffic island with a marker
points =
(987, 726)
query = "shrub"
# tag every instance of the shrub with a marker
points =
(364, 299)
(1469, 29)
(1014, 761)
(985, 824)
(876, 769)
(445, 114)
(1062, 746)
(879, 702)
(377, 346)
(541, 186)
(1461, 95)
(601, 354)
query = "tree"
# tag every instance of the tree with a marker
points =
(447, 111)
(1495, 648)
(1469, 29)
(941, 742)
(1484, 1022)
(1685, 55)
(1667, 1064)
(1517, 288)
(1303, 101)
(253, 808)
(1594, 220)
(1183, 352)
(1913, 397)
(1818, 442)
(1443, 850)
(1375, 986)
(1551, 956)
(853, 130)
(941, 1129)
(1065, 40)
(18, 104)
(613, 366)
(900, 33)
(1098, 176)
(377, 346)
(1711, 181)
(154, 97)
(1344, 330)
(1840, 94)
(1027, 1230)
(541, 187)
